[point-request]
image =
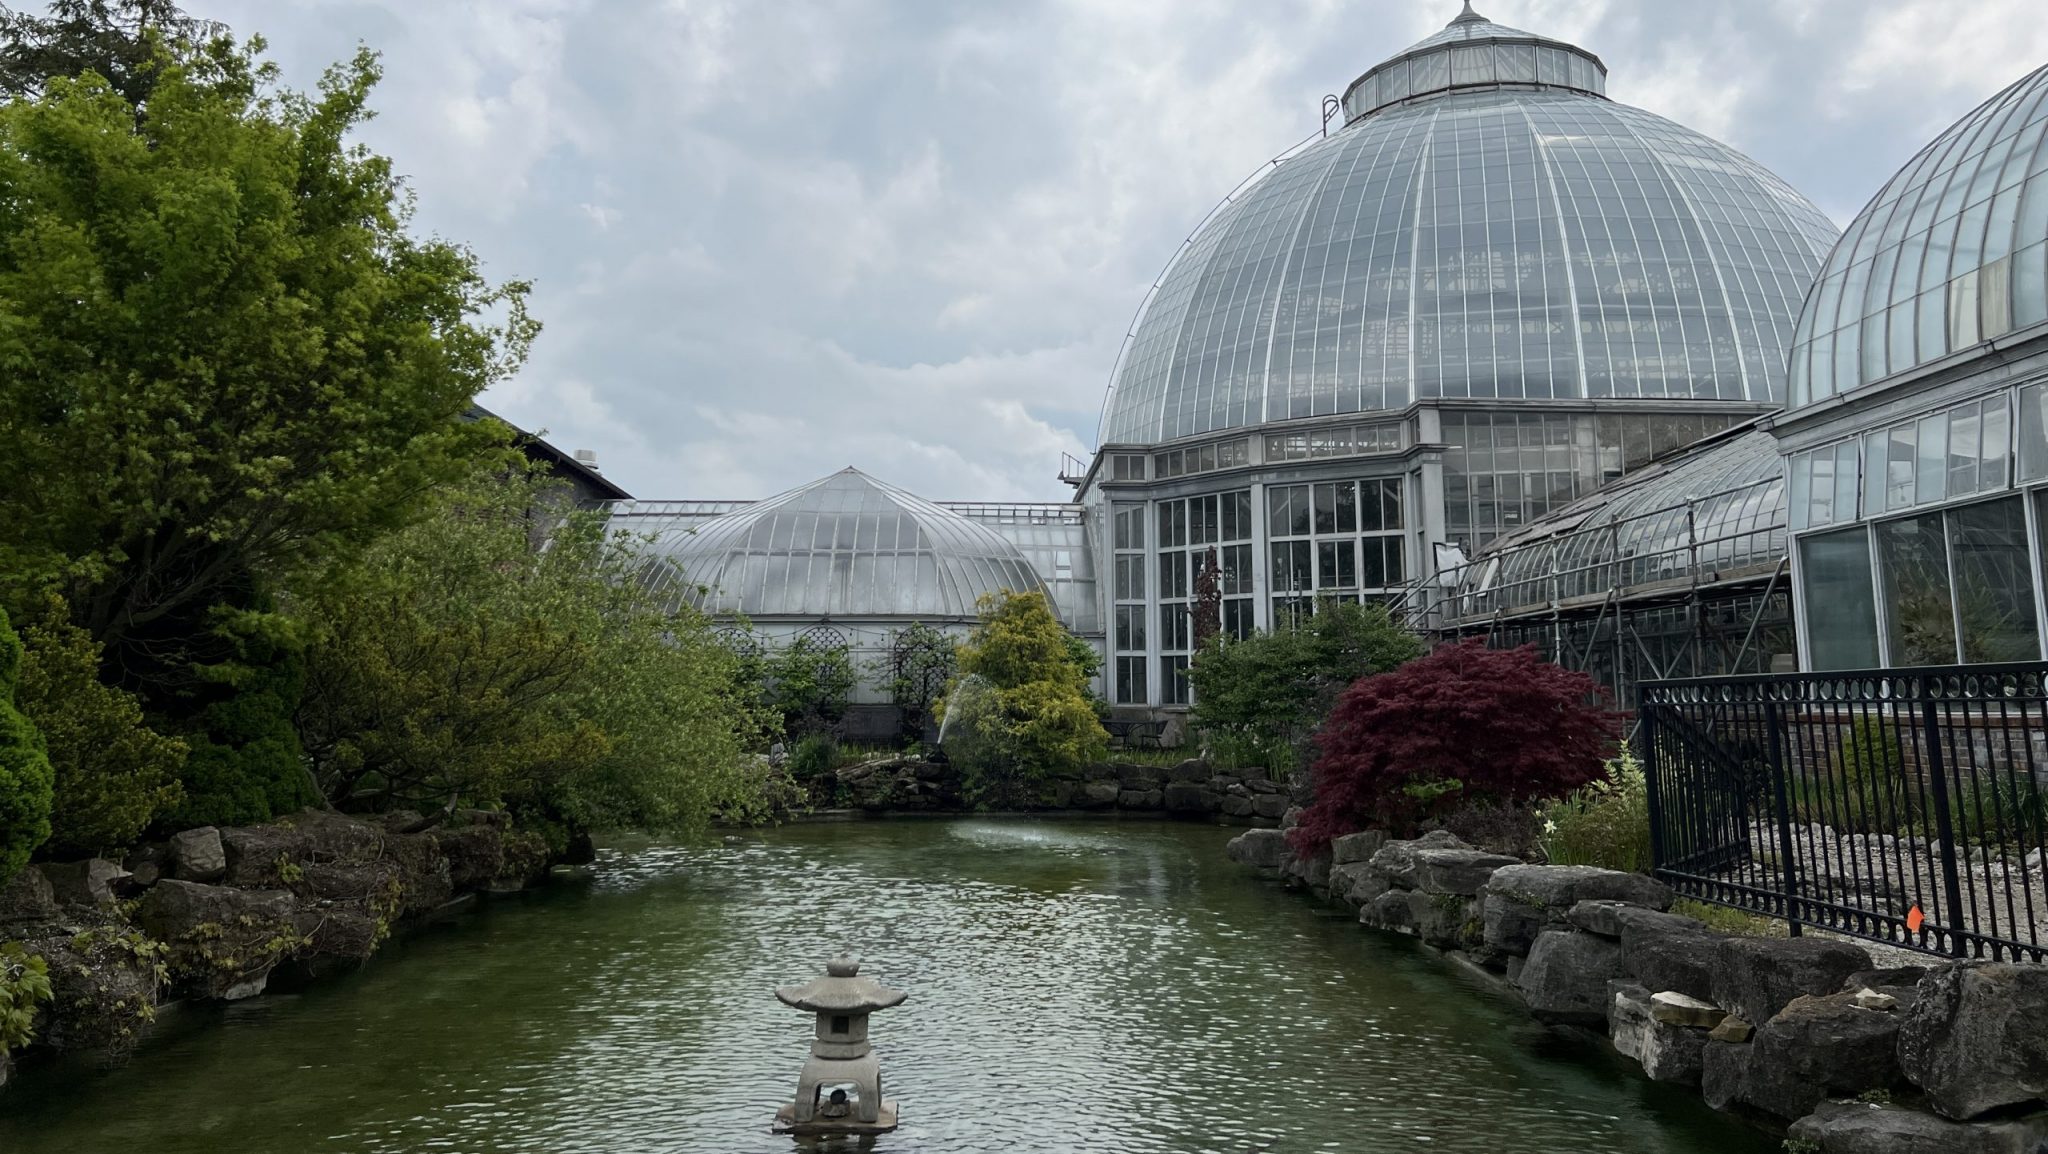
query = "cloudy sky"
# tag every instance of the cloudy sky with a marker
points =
(774, 238)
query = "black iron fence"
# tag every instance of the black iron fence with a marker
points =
(1905, 806)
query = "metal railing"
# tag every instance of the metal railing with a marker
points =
(1901, 806)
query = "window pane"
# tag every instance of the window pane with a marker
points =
(1841, 611)
(1994, 598)
(1919, 610)
(1932, 484)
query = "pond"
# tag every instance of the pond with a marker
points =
(1074, 986)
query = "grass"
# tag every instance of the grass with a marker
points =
(1726, 920)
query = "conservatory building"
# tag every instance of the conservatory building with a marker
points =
(1490, 293)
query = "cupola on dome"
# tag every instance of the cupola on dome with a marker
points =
(1487, 225)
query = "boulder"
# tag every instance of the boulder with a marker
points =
(1140, 799)
(223, 941)
(1732, 1029)
(1976, 1039)
(1863, 1128)
(1356, 847)
(1261, 849)
(1724, 1074)
(1668, 951)
(1565, 979)
(1233, 806)
(1818, 1046)
(1291, 816)
(1260, 785)
(1396, 859)
(1628, 1017)
(1138, 777)
(106, 987)
(337, 938)
(1389, 911)
(1100, 771)
(255, 854)
(1446, 921)
(1355, 883)
(197, 855)
(1270, 805)
(146, 865)
(1097, 795)
(1311, 872)
(27, 897)
(1523, 901)
(175, 908)
(1757, 977)
(87, 883)
(1185, 798)
(1456, 871)
(1193, 769)
(1668, 1052)
(1598, 917)
(1676, 1009)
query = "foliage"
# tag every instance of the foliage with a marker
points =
(815, 756)
(113, 773)
(1506, 725)
(245, 764)
(113, 38)
(1605, 822)
(1729, 920)
(1264, 696)
(25, 774)
(456, 661)
(809, 683)
(24, 987)
(1873, 768)
(1021, 709)
(1514, 830)
(922, 661)
(224, 360)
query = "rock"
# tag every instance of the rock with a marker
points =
(1668, 1052)
(1100, 771)
(146, 864)
(1138, 777)
(1869, 999)
(1724, 1074)
(1977, 1037)
(1565, 979)
(1193, 769)
(1446, 921)
(1270, 805)
(488, 857)
(1140, 799)
(1456, 871)
(88, 883)
(1356, 847)
(1732, 1029)
(106, 988)
(1522, 901)
(1598, 917)
(27, 897)
(1311, 872)
(197, 855)
(1628, 1017)
(1233, 806)
(1757, 977)
(1818, 1046)
(1396, 859)
(1098, 795)
(1261, 849)
(1261, 785)
(1291, 816)
(1355, 883)
(255, 854)
(1185, 798)
(1389, 911)
(1669, 952)
(223, 942)
(1862, 1128)
(175, 908)
(338, 936)
(1676, 1009)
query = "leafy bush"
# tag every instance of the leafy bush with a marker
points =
(1605, 822)
(1505, 725)
(24, 987)
(809, 684)
(245, 764)
(25, 775)
(113, 773)
(814, 757)
(1021, 710)
(1729, 920)
(1262, 697)
(922, 662)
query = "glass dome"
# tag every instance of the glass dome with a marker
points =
(847, 546)
(1490, 237)
(1951, 253)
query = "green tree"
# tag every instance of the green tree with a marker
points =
(116, 39)
(245, 763)
(1021, 706)
(922, 662)
(1262, 697)
(225, 362)
(809, 683)
(456, 663)
(113, 773)
(25, 775)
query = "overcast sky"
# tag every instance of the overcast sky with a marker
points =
(771, 239)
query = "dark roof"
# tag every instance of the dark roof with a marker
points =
(602, 488)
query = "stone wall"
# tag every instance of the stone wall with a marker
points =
(225, 914)
(1190, 789)
(1804, 1036)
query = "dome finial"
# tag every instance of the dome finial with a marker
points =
(1467, 17)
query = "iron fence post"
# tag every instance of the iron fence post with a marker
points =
(1952, 881)
(1788, 860)
(1646, 733)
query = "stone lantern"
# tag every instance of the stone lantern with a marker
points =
(840, 1055)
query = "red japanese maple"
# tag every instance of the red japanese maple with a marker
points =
(1503, 724)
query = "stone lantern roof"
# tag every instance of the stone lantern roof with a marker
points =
(841, 991)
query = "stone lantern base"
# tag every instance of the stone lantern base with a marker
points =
(786, 1123)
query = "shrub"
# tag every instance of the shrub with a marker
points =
(809, 684)
(25, 775)
(1505, 725)
(245, 764)
(814, 756)
(922, 662)
(1604, 823)
(1021, 710)
(113, 773)
(1261, 698)
(24, 987)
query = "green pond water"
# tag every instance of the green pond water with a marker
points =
(1074, 986)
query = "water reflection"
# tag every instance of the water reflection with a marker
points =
(1074, 987)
